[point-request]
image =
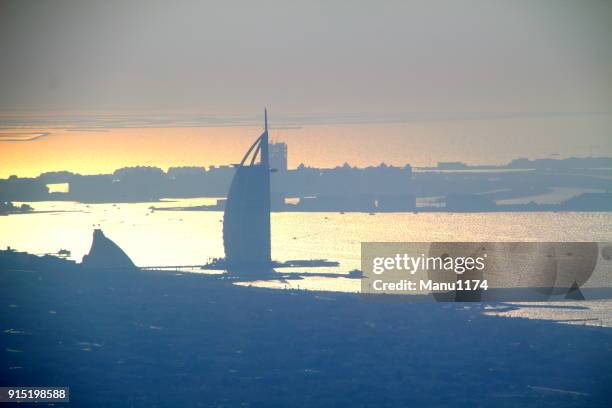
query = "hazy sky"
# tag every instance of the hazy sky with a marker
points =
(309, 58)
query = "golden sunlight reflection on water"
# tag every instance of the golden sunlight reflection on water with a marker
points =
(164, 238)
(192, 237)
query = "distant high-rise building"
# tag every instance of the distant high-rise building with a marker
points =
(246, 219)
(278, 156)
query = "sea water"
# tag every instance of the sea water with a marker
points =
(154, 238)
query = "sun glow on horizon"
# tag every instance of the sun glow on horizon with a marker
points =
(28, 151)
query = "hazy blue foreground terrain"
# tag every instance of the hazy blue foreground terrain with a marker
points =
(166, 340)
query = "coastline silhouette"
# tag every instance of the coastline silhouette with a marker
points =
(574, 184)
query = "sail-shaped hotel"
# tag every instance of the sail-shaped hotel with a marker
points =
(246, 220)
